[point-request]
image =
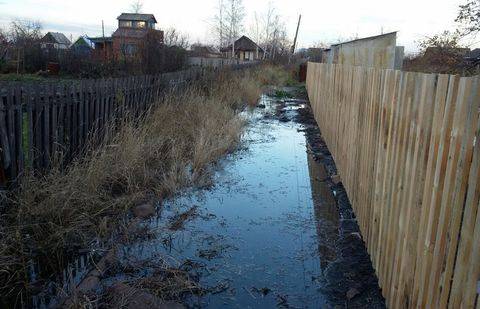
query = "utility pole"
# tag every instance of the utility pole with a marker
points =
(296, 34)
(104, 43)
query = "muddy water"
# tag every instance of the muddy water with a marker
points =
(264, 235)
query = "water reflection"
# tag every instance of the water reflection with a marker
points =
(265, 232)
(264, 236)
(326, 212)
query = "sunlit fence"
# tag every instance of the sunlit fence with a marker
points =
(407, 149)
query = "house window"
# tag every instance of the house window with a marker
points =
(125, 24)
(140, 24)
(129, 49)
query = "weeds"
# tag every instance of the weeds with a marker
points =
(275, 75)
(282, 94)
(80, 207)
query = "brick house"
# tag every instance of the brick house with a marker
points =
(131, 33)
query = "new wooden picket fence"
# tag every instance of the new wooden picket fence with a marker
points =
(39, 121)
(407, 149)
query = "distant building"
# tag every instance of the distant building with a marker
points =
(380, 51)
(131, 33)
(245, 50)
(55, 40)
(197, 50)
(83, 46)
(473, 55)
(102, 48)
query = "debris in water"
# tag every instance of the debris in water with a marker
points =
(352, 293)
(264, 291)
(179, 220)
(144, 210)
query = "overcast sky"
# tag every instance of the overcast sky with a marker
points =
(325, 21)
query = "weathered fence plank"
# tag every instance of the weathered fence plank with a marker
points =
(406, 147)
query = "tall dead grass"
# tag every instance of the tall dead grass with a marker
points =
(172, 147)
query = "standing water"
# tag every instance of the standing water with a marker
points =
(265, 234)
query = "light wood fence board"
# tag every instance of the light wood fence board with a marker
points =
(406, 148)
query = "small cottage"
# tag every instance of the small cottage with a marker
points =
(83, 46)
(245, 50)
(55, 40)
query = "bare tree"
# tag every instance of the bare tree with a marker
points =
(219, 24)
(445, 40)
(136, 6)
(25, 36)
(469, 17)
(4, 44)
(255, 28)
(23, 31)
(156, 57)
(269, 31)
(228, 22)
(319, 44)
(172, 37)
(235, 14)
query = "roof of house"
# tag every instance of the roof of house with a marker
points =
(101, 39)
(204, 49)
(243, 44)
(137, 17)
(367, 38)
(474, 54)
(58, 37)
(83, 41)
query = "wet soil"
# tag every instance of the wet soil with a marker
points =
(275, 230)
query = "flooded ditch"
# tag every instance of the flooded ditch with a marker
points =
(273, 231)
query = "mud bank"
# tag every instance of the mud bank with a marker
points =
(350, 279)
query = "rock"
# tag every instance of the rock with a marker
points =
(125, 296)
(336, 179)
(144, 210)
(88, 284)
(352, 292)
(106, 261)
(261, 105)
(358, 235)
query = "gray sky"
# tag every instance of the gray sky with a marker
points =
(325, 21)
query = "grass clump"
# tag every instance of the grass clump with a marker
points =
(282, 94)
(278, 76)
(80, 207)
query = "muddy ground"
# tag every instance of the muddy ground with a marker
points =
(275, 229)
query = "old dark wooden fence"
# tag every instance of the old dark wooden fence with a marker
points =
(39, 120)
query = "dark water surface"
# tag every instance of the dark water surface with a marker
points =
(264, 234)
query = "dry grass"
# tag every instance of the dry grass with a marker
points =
(275, 75)
(171, 148)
